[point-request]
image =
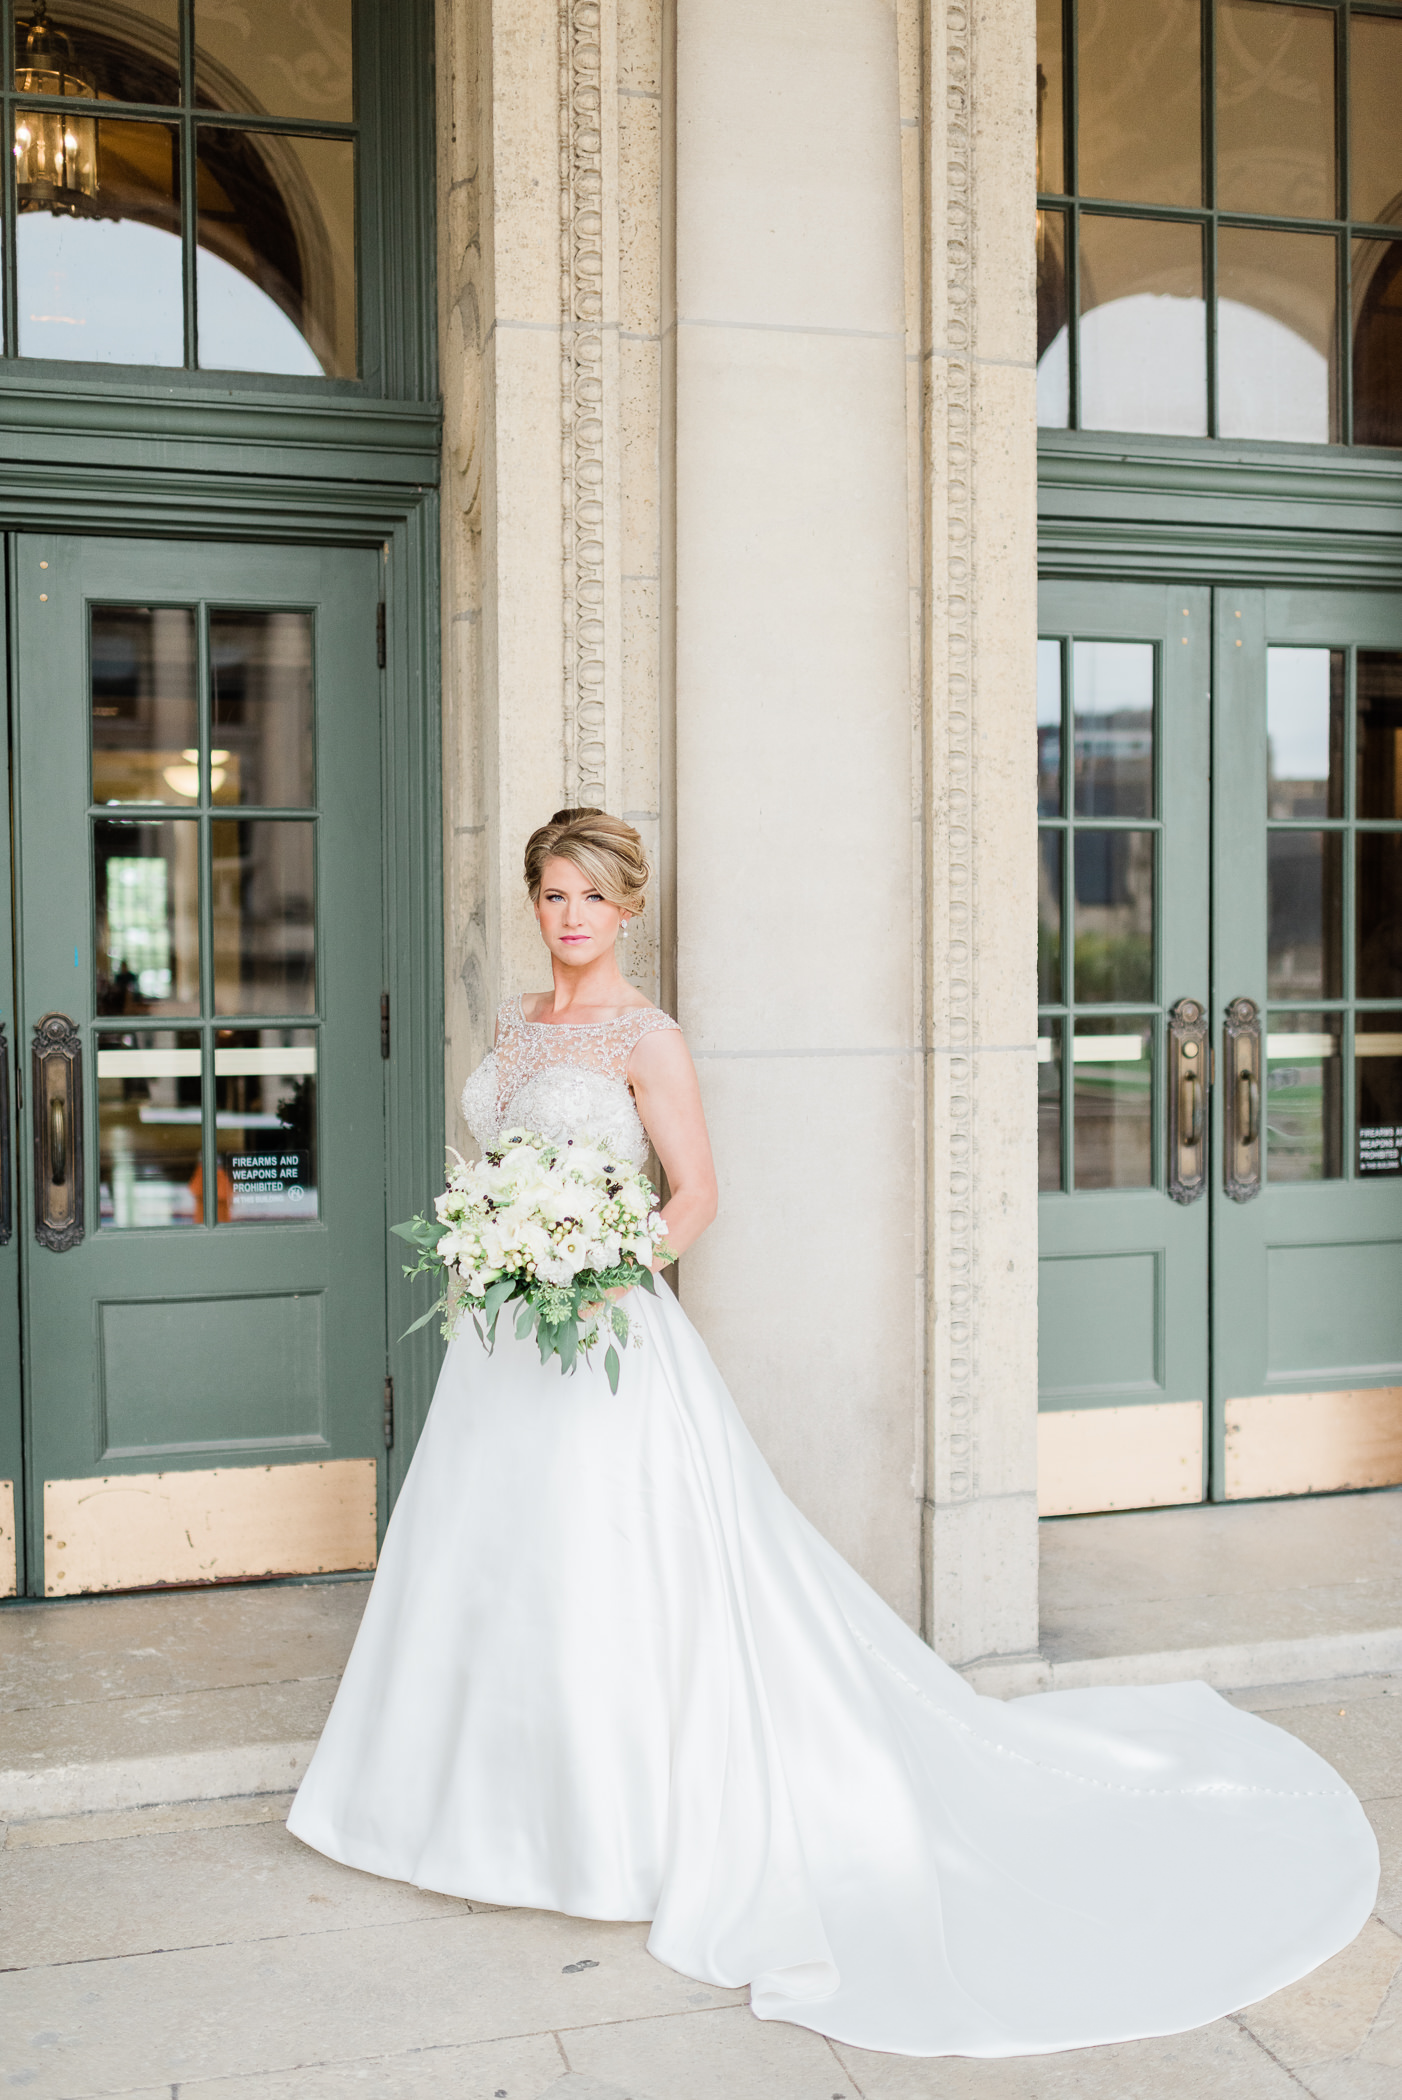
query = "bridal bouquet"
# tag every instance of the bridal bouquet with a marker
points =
(551, 1225)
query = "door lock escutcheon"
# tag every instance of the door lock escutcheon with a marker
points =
(57, 1099)
(1187, 1101)
(1241, 1047)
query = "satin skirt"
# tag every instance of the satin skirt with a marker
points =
(607, 1668)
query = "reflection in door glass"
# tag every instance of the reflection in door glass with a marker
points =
(1377, 1050)
(146, 878)
(149, 1099)
(1113, 1072)
(1143, 336)
(1377, 341)
(1305, 732)
(265, 1118)
(62, 49)
(1304, 1112)
(261, 678)
(1375, 131)
(105, 286)
(274, 60)
(1049, 728)
(1113, 687)
(1051, 97)
(1379, 915)
(1049, 1105)
(1053, 320)
(264, 917)
(1114, 906)
(1380, 733)
(275, 261)
(1140, 125)
(1049, 919)
(1277, 335)
(1275, 109)
(145, 714)
(1304, 914)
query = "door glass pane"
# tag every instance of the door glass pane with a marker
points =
(145, 713)
(1114, 951)
(1377, 1050)
(275, 269)
(1275, 109)
(1375, 119)
(1053, 315)
(1113, 685)
(1049, 728)
(104, 286)
(1304, 1098)
(264, 918)
(264, 58)
(1305, 732)
(1277, 335)
(1113, 1106)
(1377, 341)
(1140, 129)
(126, 54)
(265, 1119)
(1051, 92)
(1049, 919)
(149, 1096)
(1304, 914)
(261, 679)
(1379, 733)
(1049, 1105)
(1379, 910)
(147, 916)
(1143, 327)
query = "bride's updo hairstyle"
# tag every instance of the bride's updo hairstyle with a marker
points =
(606, 851)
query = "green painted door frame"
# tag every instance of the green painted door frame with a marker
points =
(1307, 1289)
(209, 1342)
(1123, 1269)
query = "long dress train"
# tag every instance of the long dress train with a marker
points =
(607, 1668)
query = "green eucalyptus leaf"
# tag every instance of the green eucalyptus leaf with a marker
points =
(611, 1368)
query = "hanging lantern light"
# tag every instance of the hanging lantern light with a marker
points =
(55, 150)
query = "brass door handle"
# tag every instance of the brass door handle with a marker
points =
(56, 1062)
(1190, 1109)
(1241, 1059)
(1186, 1091)
(7, 1217)
(1249, 1087)
(58, 1143)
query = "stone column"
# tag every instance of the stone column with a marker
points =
(980, 493)
(740, 499)
(549, 126)
(797, 741)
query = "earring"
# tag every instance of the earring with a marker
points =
(624, 929)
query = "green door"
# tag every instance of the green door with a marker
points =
(199, 1210)
(1307, 1228)
(11, 1417)
(1123, 742)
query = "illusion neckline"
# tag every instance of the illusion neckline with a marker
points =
(579, 1027)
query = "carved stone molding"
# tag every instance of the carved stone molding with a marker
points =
(582, 395)
(960, 1470)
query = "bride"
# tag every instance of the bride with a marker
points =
(607, 1668)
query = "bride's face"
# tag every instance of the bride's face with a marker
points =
(576, 923)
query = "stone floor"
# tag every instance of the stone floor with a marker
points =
(198, 1952)
(195, 1949)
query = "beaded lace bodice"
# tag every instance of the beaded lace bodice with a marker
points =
(562, 1081)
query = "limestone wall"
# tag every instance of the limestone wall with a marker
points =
(737, 328)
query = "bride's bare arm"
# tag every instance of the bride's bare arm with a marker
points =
(663, 1080)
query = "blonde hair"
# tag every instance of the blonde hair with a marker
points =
(603, 848)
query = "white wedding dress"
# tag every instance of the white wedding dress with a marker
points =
(607, 1668)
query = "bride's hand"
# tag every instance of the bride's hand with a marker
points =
(620, 1290)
